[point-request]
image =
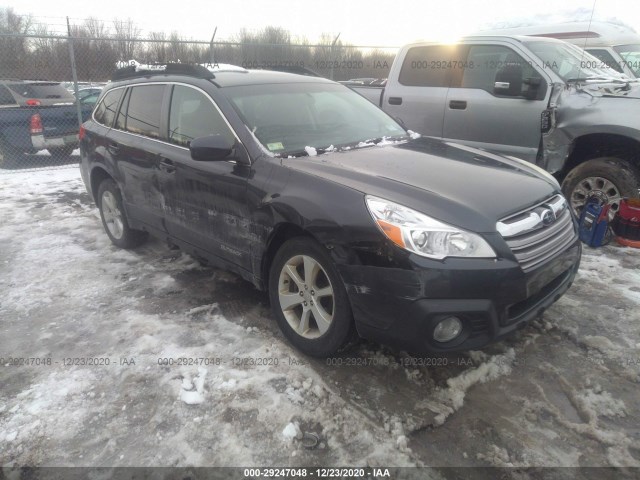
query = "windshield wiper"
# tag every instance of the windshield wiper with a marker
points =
(597, 77)
(377, 140)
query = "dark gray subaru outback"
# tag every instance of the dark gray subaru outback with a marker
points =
(309, 191)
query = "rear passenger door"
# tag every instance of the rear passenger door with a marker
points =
(135, 148)
(487, 104)
(418, 97)
(204, 201)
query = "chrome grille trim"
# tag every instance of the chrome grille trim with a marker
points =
(531, 241)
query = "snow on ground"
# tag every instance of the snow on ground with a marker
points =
(146, 357)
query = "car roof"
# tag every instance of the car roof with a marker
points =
(480, 37)
(261, 77)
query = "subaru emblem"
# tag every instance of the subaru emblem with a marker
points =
(548, 217)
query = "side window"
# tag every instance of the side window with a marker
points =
(122, 115)
(606, 58)
(5, 97)
(193, 115)
(143, 113)
(429, 66)
(489, 65)
(106, 109)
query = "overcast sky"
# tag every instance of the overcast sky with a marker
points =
(388, 22)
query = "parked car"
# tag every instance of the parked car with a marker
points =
(617, 46)
(540, 99)
(89, 96)
(35, 116)
(309, 191)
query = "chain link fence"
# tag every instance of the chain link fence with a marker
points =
(50, 83)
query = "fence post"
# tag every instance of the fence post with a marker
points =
(212, 59)
(74, 73)
(331, 53)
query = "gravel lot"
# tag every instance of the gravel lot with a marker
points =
(101, 332)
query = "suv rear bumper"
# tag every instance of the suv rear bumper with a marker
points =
(401, 308)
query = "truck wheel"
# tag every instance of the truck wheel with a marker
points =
(308, 298)
(114, 219)
(61, 153)
(609, 179)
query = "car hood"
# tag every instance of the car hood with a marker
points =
(462, 186)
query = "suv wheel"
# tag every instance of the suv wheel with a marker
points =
(60, 153)
(308, 298)
(114, 219)
(609, 179)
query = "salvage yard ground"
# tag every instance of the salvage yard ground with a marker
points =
(562, 392)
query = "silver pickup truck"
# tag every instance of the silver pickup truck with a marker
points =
(537, 99)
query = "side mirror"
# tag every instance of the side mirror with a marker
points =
(533, 84)
(210, 148)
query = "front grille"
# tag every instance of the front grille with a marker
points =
(533, 238)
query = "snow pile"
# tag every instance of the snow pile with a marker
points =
(452, 397)
(192, 391)
(312, 152)
(292, 431)
(601, 403)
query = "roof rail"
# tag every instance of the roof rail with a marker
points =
(134, 71)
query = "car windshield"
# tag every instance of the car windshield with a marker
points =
(631, 56)
(298, 118)
(573, 63)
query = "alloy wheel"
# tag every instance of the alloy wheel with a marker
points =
(112, 215)
(306, 296)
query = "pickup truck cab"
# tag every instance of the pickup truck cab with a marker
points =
(617, 46)
(538, 99)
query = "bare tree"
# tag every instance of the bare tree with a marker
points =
(126, 34)
(13, 50)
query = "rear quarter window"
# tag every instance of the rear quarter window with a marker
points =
(105, 112)
(5, 97)
(429, 66)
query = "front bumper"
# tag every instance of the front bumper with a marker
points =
(401, 307)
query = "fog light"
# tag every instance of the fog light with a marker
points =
(447, 329)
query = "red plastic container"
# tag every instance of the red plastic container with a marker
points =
(626, 223)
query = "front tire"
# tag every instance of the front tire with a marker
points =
(308, 298)
(114, 219)
(609, 179)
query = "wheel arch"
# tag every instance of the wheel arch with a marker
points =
(98, 175)
(595, 145)
(281, 233)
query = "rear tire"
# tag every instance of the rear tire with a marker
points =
(61, 153)
(608, 178)
(308, 298)
(113, 217)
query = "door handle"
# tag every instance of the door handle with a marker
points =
(458, 105)
(167, 165)
(395, 100)
(113, 148)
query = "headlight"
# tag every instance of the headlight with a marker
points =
(423, 235)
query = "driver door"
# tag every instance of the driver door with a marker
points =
(204, 201)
